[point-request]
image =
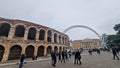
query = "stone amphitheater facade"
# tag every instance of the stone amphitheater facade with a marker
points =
(17, 37)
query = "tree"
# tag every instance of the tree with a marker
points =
(113, 40)
(117, 28)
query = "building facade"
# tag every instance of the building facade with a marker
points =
(17, 37)
(86, 43)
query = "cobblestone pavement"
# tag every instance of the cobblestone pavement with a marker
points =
(103, 60)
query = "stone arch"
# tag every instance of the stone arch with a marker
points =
(29, 51)
(15, 52)
(4, 29)
(42, 34)
(2, 49)
(32, 33)
(49, 49)
(49, 36)
(56, 49)
(19, 31)
(40, 51)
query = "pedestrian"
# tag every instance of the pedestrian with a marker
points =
(114, 52)
(59, 56)
(66, 55)
(54, 58)
(63, 56)
(90, 51)
(75, 57)
(79, 58)
(98, 51)
(22, 58)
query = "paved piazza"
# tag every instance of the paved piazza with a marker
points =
(104, 60)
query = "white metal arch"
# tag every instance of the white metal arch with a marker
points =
(74, 26)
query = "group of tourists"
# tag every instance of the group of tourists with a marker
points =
(64, 56)
(93, 50)
(77, 57)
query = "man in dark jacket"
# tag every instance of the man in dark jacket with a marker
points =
(22, 58)
(114, 52)
(54, 58)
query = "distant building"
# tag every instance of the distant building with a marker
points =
(86, 43)
(17, 37)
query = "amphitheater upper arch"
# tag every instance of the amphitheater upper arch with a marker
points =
(49, 30)
(42, 29)
(6, 22)
(17, 24)
(33, 27)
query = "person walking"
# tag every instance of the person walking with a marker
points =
(63, 56)
(54, 58)
(114, 52)
(59, 56)
(22, 58)
(79, 58)
(75, 57)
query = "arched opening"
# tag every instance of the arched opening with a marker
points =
(32, 33)
(63, 40)
(40, 51)
(60, 49)
(20, 30)
(59, 39)
(15, 52)
(63, 48)
(2, 49)
(4, 29)
(41, 35)
(56, 49)
(29, 51)
(49, 36)
(49, 49)
(55, 38)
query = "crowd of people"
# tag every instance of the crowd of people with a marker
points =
(64, 56)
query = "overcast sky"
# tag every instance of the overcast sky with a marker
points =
(100, 15)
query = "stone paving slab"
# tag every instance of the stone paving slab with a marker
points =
(103, 60)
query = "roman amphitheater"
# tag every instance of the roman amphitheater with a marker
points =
(17, 37)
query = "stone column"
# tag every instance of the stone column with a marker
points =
(26, 34)
(35, 50)
(58, 48)
(46, 35)
(52, 48)
(37, 36)
(6, 54)
(45, 51)
(52, 39)
(23, 49)
(11, 32)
